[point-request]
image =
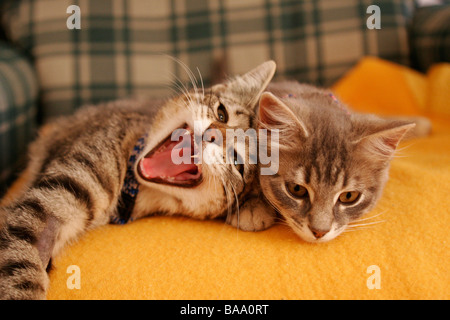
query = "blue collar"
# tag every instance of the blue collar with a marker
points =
(130, 188)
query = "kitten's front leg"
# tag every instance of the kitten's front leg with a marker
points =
(24, 278)
(254, 215)
(34, 228)
(22, 269)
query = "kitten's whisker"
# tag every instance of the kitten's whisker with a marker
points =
(179, 84)
(350, 230)
(369, 218)
(397, 156)
(357, 229)
(191, 76)
(186, 69)
(237, 203)
(213, 179)
(229, 209)
(182, 89)
(201, 81)
(177, 90)
(366, 224)
(270, 203)
(399, 152)
(174, 92)
(284, 223)
(291, 222)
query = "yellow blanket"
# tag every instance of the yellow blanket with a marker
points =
(404, 257)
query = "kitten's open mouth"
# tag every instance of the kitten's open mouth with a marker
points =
(157, 165)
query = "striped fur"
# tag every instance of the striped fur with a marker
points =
(78, 167)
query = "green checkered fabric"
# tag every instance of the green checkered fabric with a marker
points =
(430, 36)
(123, 47)
(18, 95)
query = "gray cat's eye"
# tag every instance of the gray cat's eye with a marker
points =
(349, 197)
(297, 190)
(222, 114)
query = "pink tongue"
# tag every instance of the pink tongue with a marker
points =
(160, 165)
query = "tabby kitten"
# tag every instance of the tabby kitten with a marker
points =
(112, 163)
(333, 163)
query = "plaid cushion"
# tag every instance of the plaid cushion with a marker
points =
(430, 36)
(18, 95)
(121, 45)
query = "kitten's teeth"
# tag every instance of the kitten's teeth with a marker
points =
(194, 156)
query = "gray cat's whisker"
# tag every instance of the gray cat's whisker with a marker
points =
(349, 228)
(400, 150)
(403, 148)
(292, 221)
(357, 229)
(269, 201)
(365, 224)
(369, 218)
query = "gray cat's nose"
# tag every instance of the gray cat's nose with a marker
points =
(318, 233)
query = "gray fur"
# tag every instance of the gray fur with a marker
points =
(329, 150)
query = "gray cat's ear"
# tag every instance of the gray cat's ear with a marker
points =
(384, 141)
(275, 114)
(249, 86)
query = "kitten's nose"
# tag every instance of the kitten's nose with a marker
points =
(318, 233)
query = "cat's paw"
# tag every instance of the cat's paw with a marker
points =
(253, 215)
(20, 287)
(22, 276)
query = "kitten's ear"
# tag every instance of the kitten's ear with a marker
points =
(275, 114)
(384, 142)
(249, 86)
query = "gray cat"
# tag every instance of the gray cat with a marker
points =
(333, 163)
(112, 163)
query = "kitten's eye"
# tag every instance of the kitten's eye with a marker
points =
(222, 114)
(297, 190)
(349, 197)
